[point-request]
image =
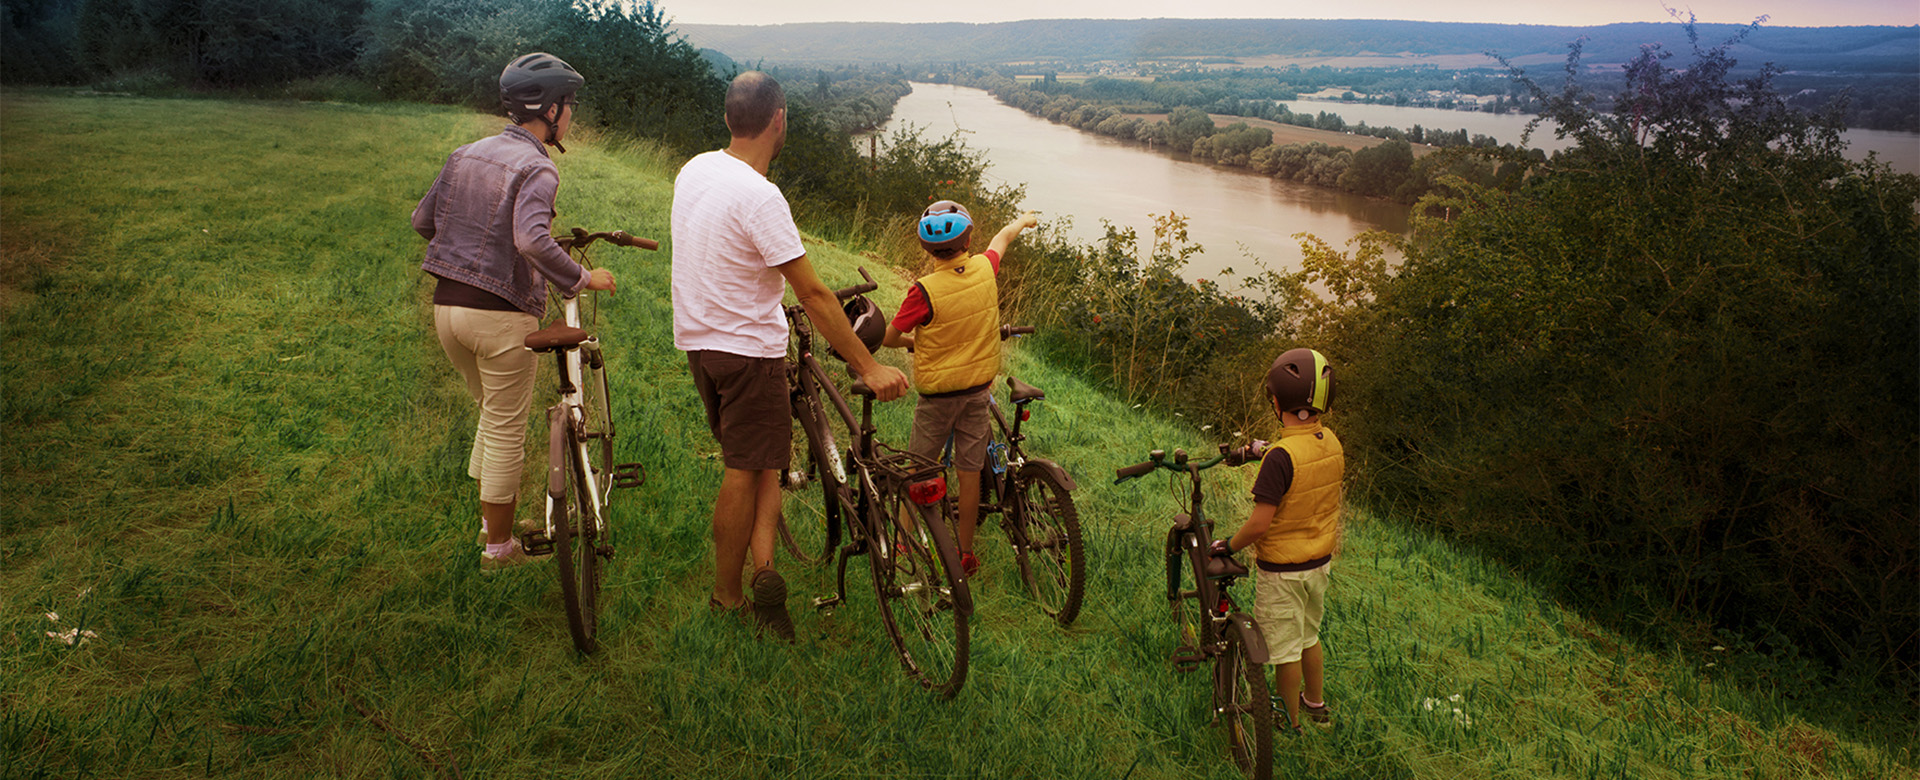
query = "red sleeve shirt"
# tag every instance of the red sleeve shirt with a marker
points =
(915, 311)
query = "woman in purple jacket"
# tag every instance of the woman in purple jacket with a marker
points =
(488, 224)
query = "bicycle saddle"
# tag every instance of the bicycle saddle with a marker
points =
(1023, 392)
(859, 387)
(1219, 566)
(555, 336)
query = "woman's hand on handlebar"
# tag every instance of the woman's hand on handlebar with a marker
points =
(600, 279)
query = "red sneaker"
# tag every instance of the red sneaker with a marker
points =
(969, 564)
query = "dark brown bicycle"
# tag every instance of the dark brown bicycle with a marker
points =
(887, 503)
(1034, 499)
(581, 474)
(1210, 626)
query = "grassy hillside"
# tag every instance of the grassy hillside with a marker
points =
(233, 453)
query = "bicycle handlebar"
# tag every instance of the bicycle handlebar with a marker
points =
(581, 238)
(1237, 456)
(848, 292)
(1009, 331)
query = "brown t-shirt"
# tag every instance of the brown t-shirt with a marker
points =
(1275, 478)
(467, 296)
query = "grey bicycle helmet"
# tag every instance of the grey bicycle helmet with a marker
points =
(533, 83)
(868, 322)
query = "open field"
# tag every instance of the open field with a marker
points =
(234, 454)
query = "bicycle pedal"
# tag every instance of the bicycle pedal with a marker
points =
(1186, 659)
(827, 603)
(536, 543)
(629, 475)
(605, 551)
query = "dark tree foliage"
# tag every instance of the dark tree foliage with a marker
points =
(37, 41)
(1673, 371)
(218, 43)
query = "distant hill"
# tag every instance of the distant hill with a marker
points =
(1293, 41)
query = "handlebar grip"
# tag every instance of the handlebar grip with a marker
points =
(620, 237)
(1009, 331)
(848, 292)
(1135, 470)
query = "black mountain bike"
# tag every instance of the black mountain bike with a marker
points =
(1034, 498)
(1210, 627)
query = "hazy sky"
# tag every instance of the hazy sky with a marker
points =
(1781, 13)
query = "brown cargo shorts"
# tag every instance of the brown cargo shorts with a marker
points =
(748, 408)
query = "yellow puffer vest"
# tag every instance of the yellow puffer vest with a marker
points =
(960, 346)
(1307, 525)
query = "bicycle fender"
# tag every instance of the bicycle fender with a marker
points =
(1250, 636)
(1053, 468)
(557, 451)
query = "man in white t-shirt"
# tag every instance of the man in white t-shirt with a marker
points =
(734, 245)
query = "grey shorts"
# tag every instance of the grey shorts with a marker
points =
(748, 407)
(962, 416)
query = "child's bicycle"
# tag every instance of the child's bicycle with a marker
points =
(581, 474)
(1210, 626)
(1034, 499)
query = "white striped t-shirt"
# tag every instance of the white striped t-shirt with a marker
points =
(731, 227)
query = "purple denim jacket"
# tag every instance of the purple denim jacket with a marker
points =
(488, 221)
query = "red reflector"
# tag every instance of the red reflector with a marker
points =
(1026, 414)
(928, 492)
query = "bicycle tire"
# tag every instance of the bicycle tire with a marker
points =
(1052, 553)
(813, 532)
(568, 508)
(1246, 714)
(596, 403)
(1192, 628)
(924, 601)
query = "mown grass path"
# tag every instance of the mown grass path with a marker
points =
(233, 452)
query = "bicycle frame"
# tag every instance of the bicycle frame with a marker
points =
(573, 425)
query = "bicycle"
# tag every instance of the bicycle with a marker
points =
(895, 512)
(1033, 497)
(581, 474)
(1210, 625)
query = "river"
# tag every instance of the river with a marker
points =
(1081, 177)
(1085, 178)
(1900, 150)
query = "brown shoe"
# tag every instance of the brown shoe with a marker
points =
(770, 605)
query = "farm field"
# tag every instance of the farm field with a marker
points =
(236, 531)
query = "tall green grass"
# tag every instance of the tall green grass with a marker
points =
(233, 451)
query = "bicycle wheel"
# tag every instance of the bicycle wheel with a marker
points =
(924, 602)
(596, 403)
(1052, 557)
(575, 552)
(1193, 629)
(810, 520)
(1244, 710)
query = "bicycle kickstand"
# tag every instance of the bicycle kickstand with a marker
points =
(827, 603)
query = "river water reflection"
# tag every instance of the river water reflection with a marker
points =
(1086, 177)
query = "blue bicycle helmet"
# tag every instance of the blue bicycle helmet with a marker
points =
(946, 229)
